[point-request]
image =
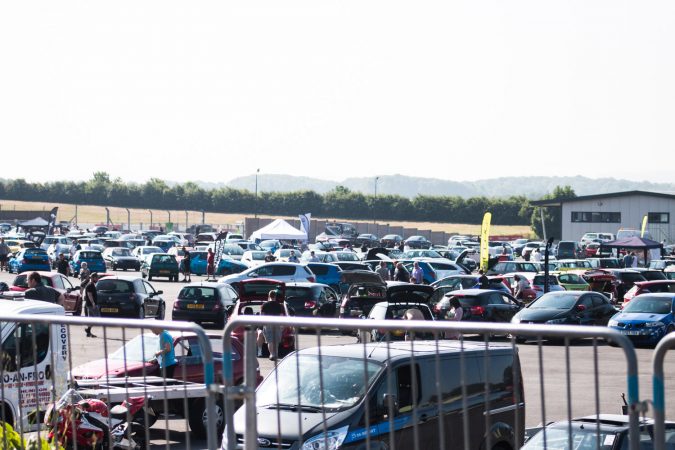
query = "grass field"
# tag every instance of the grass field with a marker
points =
(89, 214)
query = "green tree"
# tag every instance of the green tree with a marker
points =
(552, 214)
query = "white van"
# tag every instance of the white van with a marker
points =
(33, 363)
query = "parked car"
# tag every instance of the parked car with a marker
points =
(391, 240)
(347, 256)
(569, 250)
(233, 251)
(29, 259)
(396, 311)
(120, 258)
(361, 296)
(480, 305)
(604, 263)
(142, 251)
(511, 267)
(651, 274)
(129, 297)
(327, 274)
(417, 242)
(93, 258)
(421, 253)
(527, 249)
(585, 432)
(160, 265)
(625, 280)
(226, 265)
(311, 299)
(349, 266)
(568, 308)
(571, 281)
(661, 264)
(204, 302)
(286, 272)
(444, 268)
(370, 240)
(649, 287)
(253, 258)
(537, 281)
(73, 298)
(647, 318)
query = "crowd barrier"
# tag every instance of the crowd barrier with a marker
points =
(490, 404)
(658, 386)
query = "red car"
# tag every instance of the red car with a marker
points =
(591, 250)
(646, 287)
(252, 294)
(73, 298)
(138, 355)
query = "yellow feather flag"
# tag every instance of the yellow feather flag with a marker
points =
(644, 226)
(484, 240)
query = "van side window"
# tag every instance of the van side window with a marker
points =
(407, 393)
(500, 377)
(24, 341)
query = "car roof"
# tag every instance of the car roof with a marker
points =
(395, 351)
(667, 295)
(306, 284)
(19, 305)
(206, 284)
(123, 278)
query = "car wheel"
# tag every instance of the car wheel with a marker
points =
(141, 312)
(198, 418)
(161, 312)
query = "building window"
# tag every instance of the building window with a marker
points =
(596, 217)
(658, 217)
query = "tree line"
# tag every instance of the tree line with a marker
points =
(340, 202)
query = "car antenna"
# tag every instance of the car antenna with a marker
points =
(375, 347)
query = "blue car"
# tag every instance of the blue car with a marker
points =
(227, 266)
(646, 319)
(93, 258)
(326, 274)
(30, 259)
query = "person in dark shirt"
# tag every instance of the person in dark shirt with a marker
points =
(483, 280)
(271, 335)
(62, 265)
(37, 291)
(186, 265)
(401, 273)
(91, 301)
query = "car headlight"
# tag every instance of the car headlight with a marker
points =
(653, 324)
(332, 440)
(613, 323)
(556, 321)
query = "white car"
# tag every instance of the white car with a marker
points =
(443, 267)
(234, 237)
(286, 272)
(142, 251)
(254, 258)
(347, 256)
(283, 253)
(324, 257)
(593, 237)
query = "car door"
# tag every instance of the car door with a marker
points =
(59, 283)
(587, 316)
(152, 299)
(603, 310)
(499, 310)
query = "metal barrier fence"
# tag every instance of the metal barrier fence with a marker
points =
(37, 355)
(658, 386)
(387, 394)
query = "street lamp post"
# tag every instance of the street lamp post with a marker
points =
(375, 198)
(256, 193)
(150, 218)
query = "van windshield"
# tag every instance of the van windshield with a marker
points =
(343, 382)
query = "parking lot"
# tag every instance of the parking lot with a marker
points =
(610, 363)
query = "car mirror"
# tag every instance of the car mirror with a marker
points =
(252, 274)
(159, 292)
(581, 308)
(389, 404)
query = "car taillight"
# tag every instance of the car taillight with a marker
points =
(177, 304)
(310, 304)
(477, 310)
(311, 279)
(217, 306)
(537, 288)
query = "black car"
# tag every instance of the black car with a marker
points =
(612, 430)
(120, 258)
(204, 302)
(347, 266)
(480, 305)
(418, 242)
(391, 240)
(568, 308)
(651, 274)
(626, 279)
(369, 239)
(129, 297)
(311, 300)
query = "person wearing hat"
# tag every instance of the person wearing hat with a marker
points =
(91, 301)
(271, 334)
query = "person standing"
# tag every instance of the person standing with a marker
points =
(186, 265)
(91, 301)
(37, 291)
(210, 265)
(292, 258)
(383, 270)
(166, 355)
(4, 255)
(417, 274)
(74, 248)
(536, 255)
(455, 314)
(634, 262)
(313, 258)
(521, 285)
(85, 273)
(401, 274)
(483, 280)
(628, 260)
(271, 334)
(62, 265)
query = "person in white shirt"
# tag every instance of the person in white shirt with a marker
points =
(312, 257)
(536, 255)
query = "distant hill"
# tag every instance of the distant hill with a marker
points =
(531, 187)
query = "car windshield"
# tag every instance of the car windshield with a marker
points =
(649, 305)
(141, 348)
(197, 293)
(163, 259)
(632, 277)
(232, 250)
(582, 438)
(301, 292)
(298, 381)
(346, 256)
(258, 256)
(90, 255)
(548, 301)
(540, 279)
(527, 267)
(148, 250)
(114, 286)
(257, 289)
(121, 252)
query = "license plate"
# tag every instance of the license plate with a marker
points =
(164, 271)
(195, 306)
(632, 333)
(109, 310)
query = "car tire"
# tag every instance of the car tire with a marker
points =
(197, 418)
(161, 312)
(141, 312)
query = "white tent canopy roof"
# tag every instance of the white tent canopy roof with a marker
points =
(279, 229)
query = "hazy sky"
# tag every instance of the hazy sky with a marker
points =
(454, 89)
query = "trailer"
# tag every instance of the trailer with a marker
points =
(166, 396)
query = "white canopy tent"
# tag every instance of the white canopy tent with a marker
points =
(279, 229)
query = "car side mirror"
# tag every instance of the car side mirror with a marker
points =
(389, 403)
(252, 274)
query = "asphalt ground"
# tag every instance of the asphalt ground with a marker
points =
(539, 361)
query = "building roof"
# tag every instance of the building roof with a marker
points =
(559, 202)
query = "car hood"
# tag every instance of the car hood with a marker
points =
(98, 368)
(542, 314)
(639, 317)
